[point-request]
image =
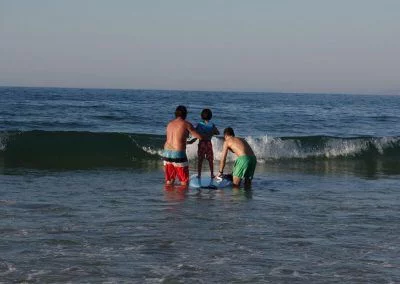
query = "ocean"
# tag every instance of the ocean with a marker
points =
(82, 198)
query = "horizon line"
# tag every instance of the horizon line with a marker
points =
(383, 93)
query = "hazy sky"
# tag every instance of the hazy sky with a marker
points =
(347, 46)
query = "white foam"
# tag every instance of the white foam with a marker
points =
(267, 148)
(191, 150)
(153, 152)
(272, 148)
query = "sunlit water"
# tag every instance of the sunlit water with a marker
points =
(305, 220)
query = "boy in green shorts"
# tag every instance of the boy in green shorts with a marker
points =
(246, 162)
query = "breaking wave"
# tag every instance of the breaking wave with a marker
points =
(73, 149)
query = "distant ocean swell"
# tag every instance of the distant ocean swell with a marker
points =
(72, 149)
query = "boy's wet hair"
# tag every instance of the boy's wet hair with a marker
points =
(181, 111)
(206, 114)
(229, 131)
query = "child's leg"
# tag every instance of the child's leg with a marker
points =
(201, 151)
(236, 181)
(210, 158)
(247, 183)
(211, 164)
(199, 165)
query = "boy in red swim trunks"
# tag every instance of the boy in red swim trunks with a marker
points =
(205, 149)
(174, 155)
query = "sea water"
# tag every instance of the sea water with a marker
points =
(82, 198)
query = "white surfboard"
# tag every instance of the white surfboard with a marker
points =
(208, 182)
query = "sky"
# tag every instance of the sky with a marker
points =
(315, 46)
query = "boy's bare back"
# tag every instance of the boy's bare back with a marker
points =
(239, 146)
(177, 132)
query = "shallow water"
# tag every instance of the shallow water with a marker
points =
(82, 198)
(123, 226)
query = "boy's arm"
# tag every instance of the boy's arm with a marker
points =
(191, 141)
(223, 159)
(193, 131)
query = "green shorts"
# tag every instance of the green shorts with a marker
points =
(244, 167)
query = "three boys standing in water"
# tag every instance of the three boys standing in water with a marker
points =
(174, 155)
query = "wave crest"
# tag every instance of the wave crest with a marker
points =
(89, 149)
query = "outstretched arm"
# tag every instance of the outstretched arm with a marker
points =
(193, 131)
(191, 141)
(223, 159)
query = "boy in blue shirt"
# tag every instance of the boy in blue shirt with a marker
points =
(207, 129)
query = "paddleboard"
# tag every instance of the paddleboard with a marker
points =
(208, 182)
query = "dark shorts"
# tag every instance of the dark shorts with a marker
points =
(205, 150)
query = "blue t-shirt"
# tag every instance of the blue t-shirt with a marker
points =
(205, 128)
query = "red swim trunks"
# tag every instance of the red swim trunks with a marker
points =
(176, 165)
(172, 171)
(205, 150)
